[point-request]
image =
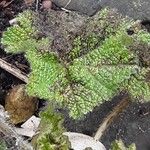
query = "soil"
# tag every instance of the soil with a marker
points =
(133, 125)
(138, 10)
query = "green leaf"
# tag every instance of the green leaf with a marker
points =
(143, 36)
(14, 38)
(138, 86)
(51, 132)
(47, 79)
(2, 145)
(119, 145)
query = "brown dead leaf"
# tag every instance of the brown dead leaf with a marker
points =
(19, 105)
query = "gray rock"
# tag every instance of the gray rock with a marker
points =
(137, 9)
(88, 7)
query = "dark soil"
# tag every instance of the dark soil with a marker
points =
(133, 125)
(7, 80)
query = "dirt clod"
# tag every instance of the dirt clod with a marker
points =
(19, 105)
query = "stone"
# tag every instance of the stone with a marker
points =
(137, 9)
(19, 105)
(88, 7)
(46, 4)
(83, 142)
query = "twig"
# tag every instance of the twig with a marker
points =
(13, 70)
(64, 8)
(111, 117)
(37, 3)
(8, 130)
(67, 3)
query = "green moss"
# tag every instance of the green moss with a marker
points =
(144, 37)
(119, 145)
(15, 37)
(137, 85)
(100, 64)
(2, 145)
(51, 132)
(48, 76)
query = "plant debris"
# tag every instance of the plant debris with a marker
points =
(5, 3)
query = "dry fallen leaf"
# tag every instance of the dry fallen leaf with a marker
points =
(19, 105)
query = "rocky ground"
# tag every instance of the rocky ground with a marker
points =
(136, 9)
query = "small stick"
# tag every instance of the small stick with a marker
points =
(8, 130)
(37, 3)
(13, 70)
(111, 117)
(67, 3)
(64, 8)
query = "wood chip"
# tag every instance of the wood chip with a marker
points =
(25, 132)
(31, 123)
(30, 127)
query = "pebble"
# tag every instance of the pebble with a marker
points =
(19, 105)
(46, 4)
